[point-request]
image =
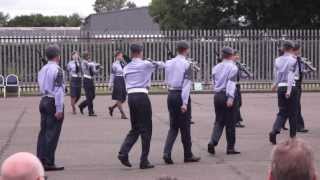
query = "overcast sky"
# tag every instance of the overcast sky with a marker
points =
(52, 7)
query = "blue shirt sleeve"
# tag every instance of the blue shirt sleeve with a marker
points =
(186, 86)
(231, 83)
(59, 90)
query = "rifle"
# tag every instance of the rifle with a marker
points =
(193, 63)
(308, 64)
(242, 67)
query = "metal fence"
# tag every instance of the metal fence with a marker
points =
(20, 53)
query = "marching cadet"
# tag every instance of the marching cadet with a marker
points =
(89, 69)
(301, 70)
(75, 70)
(224, 80)
(119, 92)
(137, 76)
(238, 97)
(179, 76)
(51, 84)
(284, 73)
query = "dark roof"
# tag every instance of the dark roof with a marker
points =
(125, 20)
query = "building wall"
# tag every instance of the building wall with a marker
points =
(122, 20)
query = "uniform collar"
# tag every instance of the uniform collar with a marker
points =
(52, 62)
(179, 56)
(228, 61)
(136, 59)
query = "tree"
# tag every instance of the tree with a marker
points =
(192, 14)
(168, 13)
(131, 4)
(74, 20)
(3, 19)
(207, 14)
(101, 6)
(38, 20)
(280, 13)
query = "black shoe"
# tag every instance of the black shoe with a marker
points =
(111, 111)
(303, 130)
(146, 165)
(192, 159)
(211, 149)
(168, 160)
(273, 138)
(52, 168)
(81, 109)
(92, 115)
(124, 160)
(285, 128)
(239, 125)
(124, 117)
(232, 152)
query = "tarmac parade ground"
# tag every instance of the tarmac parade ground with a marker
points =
(88, 146)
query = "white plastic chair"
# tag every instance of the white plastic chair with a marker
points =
(2, 85)
(12, 84)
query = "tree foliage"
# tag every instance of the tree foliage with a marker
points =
(131, 4)
(3, 19)
(206, 14)
(38, 20)
(101, 6)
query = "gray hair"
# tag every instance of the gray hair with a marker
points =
(292, 159)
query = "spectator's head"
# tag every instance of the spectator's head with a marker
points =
(86, 56)
(183, 48)
(53, 53)
(292, 160)
(75, 55)
(136, 51)
(228, 53)
(22, 166)
(288, 46)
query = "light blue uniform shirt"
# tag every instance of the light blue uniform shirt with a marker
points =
(179, 76)
(116, 70)
(224, 76)
(51, 83)
(88, 66)
(137, 73)
(72, 68)
(284, 70)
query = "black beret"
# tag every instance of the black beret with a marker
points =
(52, 51)
(136, 48)
(228, 51)
(183, 45)
(288, 44)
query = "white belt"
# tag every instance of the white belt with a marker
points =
(296, 78)
(174, 89)
(74, 75)
(284, 85)
(87, 76)
(138, 90)
(48, 95)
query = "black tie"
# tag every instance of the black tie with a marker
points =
(300, 69)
